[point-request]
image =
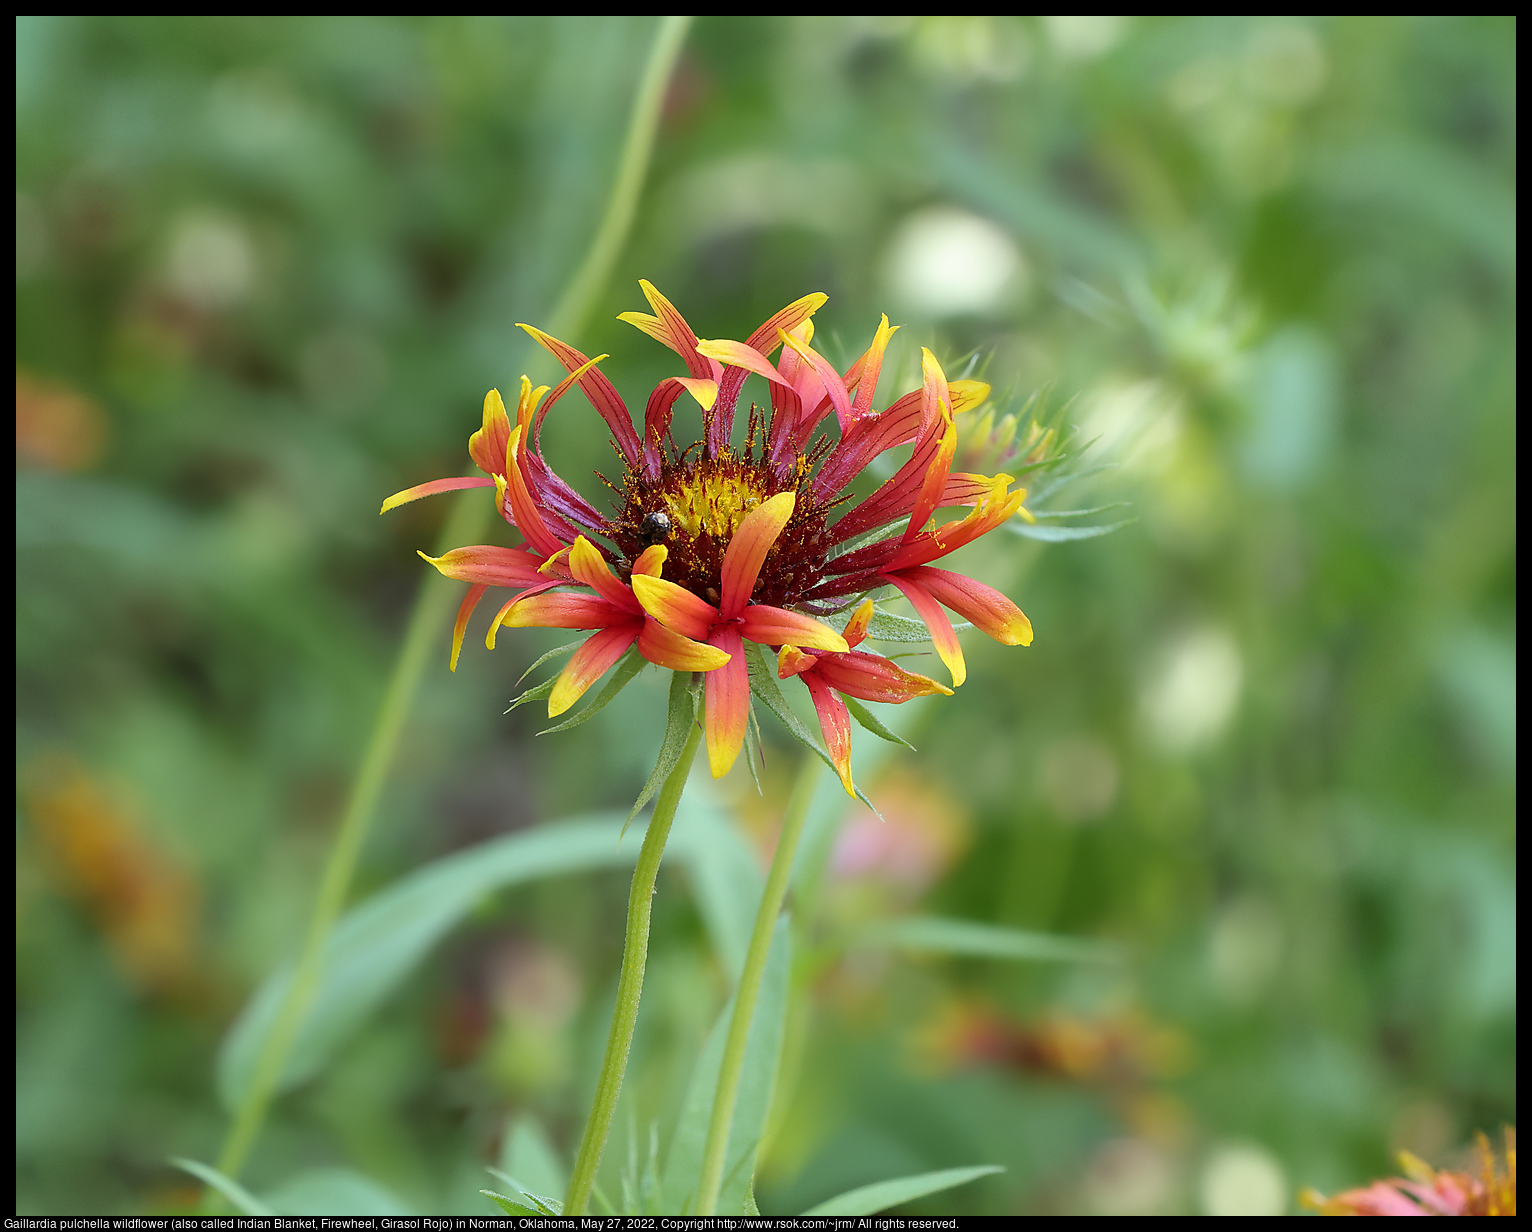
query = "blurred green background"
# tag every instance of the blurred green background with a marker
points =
(1264, 741)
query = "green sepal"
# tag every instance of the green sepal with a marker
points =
(870, 721)
(685, 696)
(629, 666)
(763, 684)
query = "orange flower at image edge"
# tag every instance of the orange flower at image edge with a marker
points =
(711, 546)
(1425, 1190)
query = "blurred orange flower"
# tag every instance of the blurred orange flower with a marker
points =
(57, 428)
(1424, 1190)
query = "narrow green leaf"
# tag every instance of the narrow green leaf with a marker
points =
(755, 756)
(1061, 534)
(535, 694)
(1078, 513)
(552, 654)
(887, 627)
(546, 1205)
(763, 684)
(630, 665)
(726, 881)
(1041, 494)
(506, 1205)
(334, 1191)
(870, 1199)
(763, 1051)
(871, 722)
(376, 945)
(682, 713)
(240, 1198)
(972, 939)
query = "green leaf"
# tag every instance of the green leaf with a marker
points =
(552, 654)
(725, 879)
(871, 722)
(240, 1198)
(684, 698)
(506, 1205)
(334, 1191)
(544, 1204)
(631, 664)
(1078, 513)
(763, 1053)
(870, 1199)
(971, 939)
(376, 945)
(535, 694)
(527, 1153)
(763, 684)
(1060, 534)
(887, 627)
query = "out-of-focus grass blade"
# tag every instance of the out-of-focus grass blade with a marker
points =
(1062, 534)
(971, 939)
(725, 879)
(870, 1199)
(762, 1054)
(334, 1191)
(240, 1198)
(681, 714)
(377, 944)
(528, 1153)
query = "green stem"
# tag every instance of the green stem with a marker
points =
(732, 1067)
(433, 608)
(630, 982)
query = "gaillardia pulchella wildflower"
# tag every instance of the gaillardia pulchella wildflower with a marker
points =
(716, 545)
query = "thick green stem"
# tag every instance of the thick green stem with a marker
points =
(433, 608)
(732, 1067)
(630, 982)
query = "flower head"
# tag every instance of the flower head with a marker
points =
(717, 544)
(1424, 1190)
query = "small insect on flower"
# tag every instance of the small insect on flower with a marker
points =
(717, 545)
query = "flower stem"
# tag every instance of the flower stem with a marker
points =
(729, 1072)
(630, 982)
(433, 608)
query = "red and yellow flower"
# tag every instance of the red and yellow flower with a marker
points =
(714, 545)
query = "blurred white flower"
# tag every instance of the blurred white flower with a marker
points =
(1128, 1176)
(1075, 36)
(946, 262)
(212, 262)
(1193, 694)
(1243, 1180)
(1244, 949)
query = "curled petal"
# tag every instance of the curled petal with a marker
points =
(738, 355)
(943, 636)
(488, 565)
(589, 663)
(966, 395)
(670, 327)
(651, 560)
(432, 488)
(487, 446)
(559, 391)
(529, 521)
(509, 606)
(856, 627)
(589, 568)
(875, 679)
(776, 626)
(602, 394)
(657, 416)
(790, 318)
(526, 403)
(728, 703)
(571, 610)
(680, 654)
(746, 553)
(675, 607)
(984, 605)
(934, 392)
(825, 371)
(460, 626)
(935, 481)
(835, 723)
(990, 512)
(865, 372)
(704, 391)
(793, 662)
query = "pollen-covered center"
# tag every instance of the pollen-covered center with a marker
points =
(694, 509)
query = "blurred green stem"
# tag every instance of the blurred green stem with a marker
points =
(433, 608)
(630, 982)
(729, 1072)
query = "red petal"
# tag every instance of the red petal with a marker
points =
(728, 703)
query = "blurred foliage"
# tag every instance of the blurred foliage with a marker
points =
(1264, 742)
